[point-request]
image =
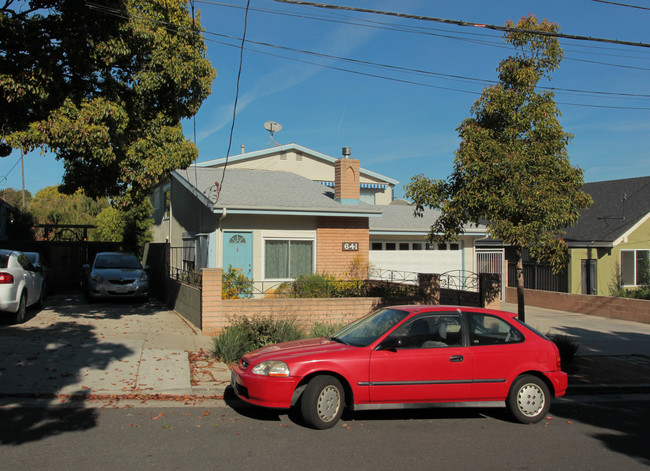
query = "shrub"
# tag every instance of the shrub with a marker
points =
(567, 346)
(325, 330)
(235, 285)
(244, 335)
(231, 344)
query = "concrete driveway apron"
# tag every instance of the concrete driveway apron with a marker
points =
(80, 349)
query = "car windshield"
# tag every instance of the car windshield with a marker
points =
(117, 261)
(32, 257)
(365, 331)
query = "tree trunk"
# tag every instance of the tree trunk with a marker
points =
(521, 307)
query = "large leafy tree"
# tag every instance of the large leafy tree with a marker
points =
(512, 169)
(15, 197)
(50, 206)
(104, 85)
(132, 228)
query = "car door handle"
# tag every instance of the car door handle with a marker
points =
(456, 358)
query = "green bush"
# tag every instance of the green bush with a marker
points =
(235, 284)
(325, 330)
(244, 335)
(231, 344)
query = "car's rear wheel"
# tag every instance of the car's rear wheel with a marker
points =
(322, 402)
(19, 317)
(529, 399)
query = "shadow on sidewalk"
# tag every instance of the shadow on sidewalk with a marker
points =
(40, 362)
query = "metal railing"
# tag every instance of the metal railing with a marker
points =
(460, 280)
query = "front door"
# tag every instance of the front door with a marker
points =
(238, 252)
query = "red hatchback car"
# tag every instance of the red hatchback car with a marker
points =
(408, 356)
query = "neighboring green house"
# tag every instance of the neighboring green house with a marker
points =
(610, 244)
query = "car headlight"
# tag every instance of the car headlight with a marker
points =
(271, 368)
(144, 277)
(97, 278)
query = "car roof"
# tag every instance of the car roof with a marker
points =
(417, 308)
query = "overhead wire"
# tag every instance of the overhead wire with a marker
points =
(438, 75)
(234, 108)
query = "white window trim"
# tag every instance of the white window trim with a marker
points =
(620, 264)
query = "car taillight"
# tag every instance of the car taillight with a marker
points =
(6, 278)
(558, 357)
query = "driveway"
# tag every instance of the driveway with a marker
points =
(72, 348)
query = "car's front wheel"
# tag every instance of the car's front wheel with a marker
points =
(322, 402)
(529, 399)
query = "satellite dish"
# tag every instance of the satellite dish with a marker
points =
(273, 127)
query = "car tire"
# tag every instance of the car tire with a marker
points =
(19, 317)
(41, 299)
(322, 402)
(529, 399)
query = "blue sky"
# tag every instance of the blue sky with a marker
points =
(396, 127)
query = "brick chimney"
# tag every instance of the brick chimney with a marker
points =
(346, 179)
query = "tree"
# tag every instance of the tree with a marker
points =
(15, 197)
(132, 228)
(50, 206)
(512, 169)
(104, 85)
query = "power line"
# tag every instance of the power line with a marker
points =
(621, 4)
(506, 29)
(234, 108)
(243, 40)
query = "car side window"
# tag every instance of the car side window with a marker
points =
(25, 263)
(429, 331)
(485, 329)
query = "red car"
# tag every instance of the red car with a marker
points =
(409, 356)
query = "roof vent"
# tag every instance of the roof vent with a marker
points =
(346, 152)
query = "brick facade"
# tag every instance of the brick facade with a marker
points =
(637, 310)
(217, 313)
(347, 179)
(331, 234)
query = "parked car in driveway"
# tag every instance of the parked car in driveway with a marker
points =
(40, 263)
(21, 284)
(407, 357)
(116, 275)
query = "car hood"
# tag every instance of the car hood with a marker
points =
(298, 348)
(117, 273)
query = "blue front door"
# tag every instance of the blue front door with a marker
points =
(238, 252)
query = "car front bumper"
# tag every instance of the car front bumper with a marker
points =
(265, 391)
(110, 290)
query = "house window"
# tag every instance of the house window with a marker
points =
(635, 267)
(417, 246)
(454, 247)
(404, 246)
(167, 203)
(376, 246)
(391, 246)
(288, 258)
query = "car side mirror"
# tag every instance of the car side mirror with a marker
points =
(391, 344)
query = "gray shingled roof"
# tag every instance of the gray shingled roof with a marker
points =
(266, 190)
(618, 206)
(400, 218)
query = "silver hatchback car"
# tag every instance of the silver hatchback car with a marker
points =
(116, 275)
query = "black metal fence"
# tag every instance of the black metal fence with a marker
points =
(540, 277)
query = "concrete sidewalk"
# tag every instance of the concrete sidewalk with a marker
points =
(118, 352)
(75, 349)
